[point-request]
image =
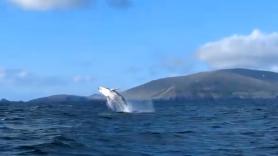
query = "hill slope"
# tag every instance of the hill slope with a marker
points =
(228, 83)
(60, 98)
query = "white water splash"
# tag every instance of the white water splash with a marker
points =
(116, 102)
(118, 105)
(130, 106)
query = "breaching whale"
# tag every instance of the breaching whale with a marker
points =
(115, 101)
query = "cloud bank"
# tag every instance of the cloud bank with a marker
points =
(43, 5)
(257, 50)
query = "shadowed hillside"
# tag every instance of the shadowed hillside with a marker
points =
(220, 84)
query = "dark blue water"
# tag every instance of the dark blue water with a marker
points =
(174, 129)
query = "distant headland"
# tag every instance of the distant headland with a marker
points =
(225, 84)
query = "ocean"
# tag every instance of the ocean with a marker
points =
(90, 129)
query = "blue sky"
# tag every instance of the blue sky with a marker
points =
(72, 48)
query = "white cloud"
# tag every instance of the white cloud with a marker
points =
(256, 50)
(81, 79)
(2, 73)
(12, 74)
(119, 3)
(43, 5)
(22, 74)
(20, 77)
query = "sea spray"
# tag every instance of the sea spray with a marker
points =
(130, 106)
(116, 102)
(142, 106)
